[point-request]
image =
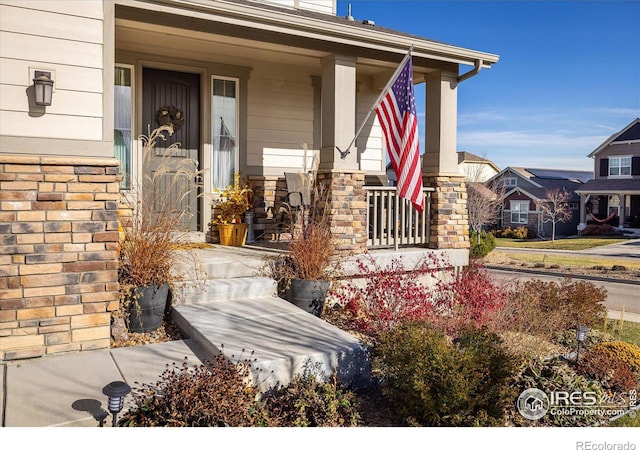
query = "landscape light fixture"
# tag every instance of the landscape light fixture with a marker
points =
(43, 87)
(581, 333)
(116, 391)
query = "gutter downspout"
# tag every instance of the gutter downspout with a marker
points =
(476, 69)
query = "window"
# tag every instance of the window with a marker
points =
(510, 182)
(620, 166)
(122, 140)
(519, 211)
(224, 132)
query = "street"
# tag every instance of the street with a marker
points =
(619, 295)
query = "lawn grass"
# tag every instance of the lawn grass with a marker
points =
(622, 330)
(559, 244)
(563, 260)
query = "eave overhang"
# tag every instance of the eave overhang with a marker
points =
(280, 25)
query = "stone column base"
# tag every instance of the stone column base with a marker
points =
(449, 217)
(347, 208)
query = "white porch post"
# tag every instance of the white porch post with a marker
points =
(583, 212)
(338, 112)
(347, 207)
(440, 157)
(449, 224)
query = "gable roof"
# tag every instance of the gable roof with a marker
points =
(544, 180)
(471, 158)
(630, 133)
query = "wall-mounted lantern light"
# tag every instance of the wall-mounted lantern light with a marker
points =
(43, 87)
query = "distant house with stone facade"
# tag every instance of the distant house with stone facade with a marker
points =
(256, 82)
(613, 197)
(524, 187)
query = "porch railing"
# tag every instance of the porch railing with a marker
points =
(392, 221)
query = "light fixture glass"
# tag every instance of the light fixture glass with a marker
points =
(116, 392)
(43, 86)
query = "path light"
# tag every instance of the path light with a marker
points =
(116, 391)
(43, 88)
(581, 333)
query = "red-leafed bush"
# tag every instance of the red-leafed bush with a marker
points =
(392, 294)
(476, 296)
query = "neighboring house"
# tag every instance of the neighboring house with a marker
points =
(473, 167)
(476, 168)
(524, 187)
(254, 83)
(613, 197)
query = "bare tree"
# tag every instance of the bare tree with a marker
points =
(484, 204)
(554, 208)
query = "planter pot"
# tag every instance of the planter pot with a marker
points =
(147, 308)
(233, 234)
(309, 295)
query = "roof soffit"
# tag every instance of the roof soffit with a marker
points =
(259, 23)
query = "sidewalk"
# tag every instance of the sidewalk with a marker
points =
(66, 390)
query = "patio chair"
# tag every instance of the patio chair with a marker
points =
(297, 200)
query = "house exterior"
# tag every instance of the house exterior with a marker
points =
(525, 187)
(473, 167)
(256, 83)
(476, 168)
(613, 196)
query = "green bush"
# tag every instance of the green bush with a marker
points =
(305, 402)
(482, 248)
(432, 381)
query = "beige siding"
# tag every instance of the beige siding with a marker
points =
(280, 115)
(370, 143)
(323, 6)
(65, 37)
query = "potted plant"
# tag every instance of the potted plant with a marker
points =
(154, 259)
(233, 203)
(305, 272)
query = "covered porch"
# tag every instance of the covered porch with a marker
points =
(275, 90)
(614, 202)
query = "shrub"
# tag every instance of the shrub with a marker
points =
(391, 295)
(432, 381)
(206, 395)
(623, 351)
(611, 372)
(305, 402)
(476, 296)
(548, 308)
(600, 230)
(480, 249)
(517, 233)
(553, 375)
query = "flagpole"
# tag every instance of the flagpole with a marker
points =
(343, 154)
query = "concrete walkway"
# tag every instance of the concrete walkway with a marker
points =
(236, 313)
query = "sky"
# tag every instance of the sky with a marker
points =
(568, 75)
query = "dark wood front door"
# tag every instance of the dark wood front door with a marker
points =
(179, 94)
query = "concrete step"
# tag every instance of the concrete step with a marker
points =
(215, 290)
(283, 339)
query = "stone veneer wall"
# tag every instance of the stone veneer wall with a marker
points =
(449, 216)
(58, 254)
(347, 208)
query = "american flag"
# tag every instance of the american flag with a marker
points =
(397, 115)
